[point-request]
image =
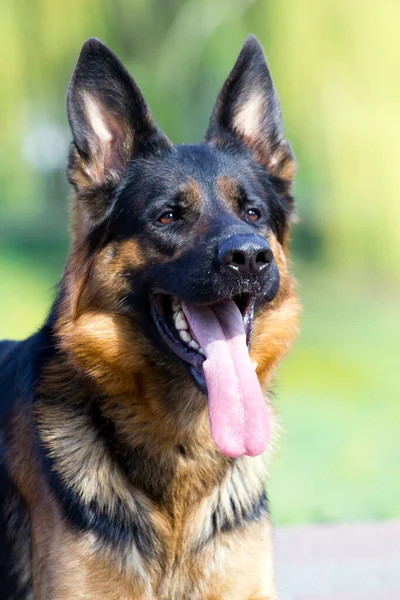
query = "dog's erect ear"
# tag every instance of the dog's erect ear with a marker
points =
(249, 109)
(109, 119)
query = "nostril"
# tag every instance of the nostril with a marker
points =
(227, 258)
(246, 255)
(263, 258)
(238, 258)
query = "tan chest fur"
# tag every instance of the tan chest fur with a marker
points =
(236, 564)
(234, 567)
(227, 570)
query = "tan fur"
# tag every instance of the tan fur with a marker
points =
(248, 119)
(276, 327)
(228, 192)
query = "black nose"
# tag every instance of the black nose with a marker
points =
(245, 254)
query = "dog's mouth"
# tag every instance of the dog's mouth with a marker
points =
(214, 340)
(175, 331)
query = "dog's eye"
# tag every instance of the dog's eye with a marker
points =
(168, 217)
(252, 214)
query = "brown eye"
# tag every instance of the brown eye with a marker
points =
(167, 218)
(252, 214)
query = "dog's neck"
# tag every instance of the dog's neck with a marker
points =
(121, 465)
(148, 440)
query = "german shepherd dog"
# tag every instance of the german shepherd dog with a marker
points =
(136, 422)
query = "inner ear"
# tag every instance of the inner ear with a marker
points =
(248, 109)
(110, 141)
(248, 119)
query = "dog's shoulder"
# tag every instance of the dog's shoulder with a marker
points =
(19, 365)
(8, 374)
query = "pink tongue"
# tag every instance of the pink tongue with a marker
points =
(238, 413)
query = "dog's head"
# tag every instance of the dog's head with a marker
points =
(179, 252)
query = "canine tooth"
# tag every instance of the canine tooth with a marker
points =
(255, 365)
(185, 336)
(193, 344)
(176, 304)
(180, 321)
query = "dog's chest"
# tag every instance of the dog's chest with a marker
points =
(176, 533)
(232, 565)
(206, 541)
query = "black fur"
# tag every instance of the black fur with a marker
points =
(19, 368)
(238, 518)
(20, 363)
(118, 528)
(7, 580)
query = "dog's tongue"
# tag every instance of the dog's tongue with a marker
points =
(238, 413)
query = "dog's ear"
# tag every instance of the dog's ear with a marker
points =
(109, 119)
(248, 108)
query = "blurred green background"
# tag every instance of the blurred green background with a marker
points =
(336, 66)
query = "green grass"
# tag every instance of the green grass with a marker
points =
(28, 278)
(338, 395)
(338, 392)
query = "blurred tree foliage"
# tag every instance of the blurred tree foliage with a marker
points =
(336, 67)
(334, 64)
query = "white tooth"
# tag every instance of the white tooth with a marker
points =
(180, 321)
(255, 365)
(176, 304)
(193, 344)
(185, 336)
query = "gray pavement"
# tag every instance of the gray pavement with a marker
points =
(359, 561)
